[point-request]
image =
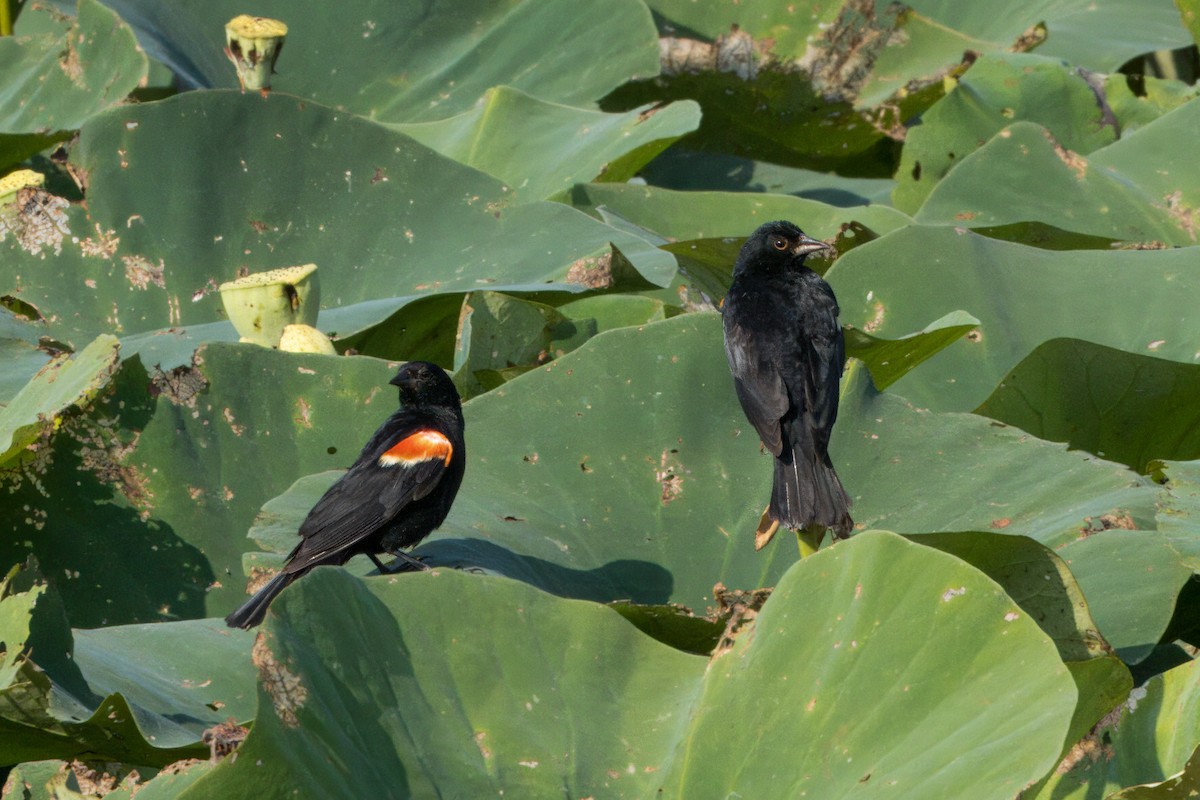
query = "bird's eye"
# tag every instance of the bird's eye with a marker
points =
(779, 243)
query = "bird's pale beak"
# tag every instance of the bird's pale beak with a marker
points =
(808, 245)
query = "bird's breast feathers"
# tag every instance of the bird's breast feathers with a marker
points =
(424, 445)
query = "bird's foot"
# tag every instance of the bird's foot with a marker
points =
(406, 563)
(403, 563)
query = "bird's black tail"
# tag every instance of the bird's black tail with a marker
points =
(807, 491)
(255, 608)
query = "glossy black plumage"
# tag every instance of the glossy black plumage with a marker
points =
(398, 491)
(786, 352)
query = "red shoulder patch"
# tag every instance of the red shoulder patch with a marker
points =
(425, 445)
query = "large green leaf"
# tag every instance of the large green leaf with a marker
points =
(1097, 36)
(961, 472)
(1104, 684)
(150, 691)
(1121, 406)
(53, 82)
(432, 328)
(1190, 12)
(541, 149)
(682, 169)
(16, 607)
(1178, 514)
(1079, 109)
(418, 710)
(58, 780)
(1037, 580)
(1154, 738)
(700, 215)
(384, 217)
(891, 359)
(445, 328)
(870, 644)
(111, 561)
(1185, 783)
(615, 311)
(1131, 579)
(1138, 100)
(500, 336)
(1040, 583)
(20, 353)
(450, 684)
(67, 381)
(1140, 188)
(1022, 296)
(998, 90)
(401, 62)
(1150, 158)
(1033, 178)
(192, 673)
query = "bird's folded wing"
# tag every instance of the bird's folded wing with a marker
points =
(373, 493)
(826, 358)
(759, 386)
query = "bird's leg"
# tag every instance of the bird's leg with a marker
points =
(809, 538)
(407, 562)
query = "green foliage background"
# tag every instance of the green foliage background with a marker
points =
(546, 197)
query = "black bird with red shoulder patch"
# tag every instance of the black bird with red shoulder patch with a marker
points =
(786, 352)
(398, 491)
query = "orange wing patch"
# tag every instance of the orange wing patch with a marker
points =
(423, 445)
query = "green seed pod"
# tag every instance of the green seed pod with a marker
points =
(14, 182)
(261, 305)
(253, 44)
(305, 339)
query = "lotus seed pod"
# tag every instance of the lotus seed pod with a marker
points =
(305, 339)
(261, 305)
(253, 44)
(14, 182)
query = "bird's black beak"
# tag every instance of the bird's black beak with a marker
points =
(807, 245)
(399, 380)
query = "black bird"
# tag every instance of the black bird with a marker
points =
(397, 492)
(786, 353)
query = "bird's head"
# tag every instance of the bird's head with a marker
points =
(425, 384)
(779, 244)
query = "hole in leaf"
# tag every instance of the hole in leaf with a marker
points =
(21, 308)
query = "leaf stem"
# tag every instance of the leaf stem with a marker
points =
(809, 539)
